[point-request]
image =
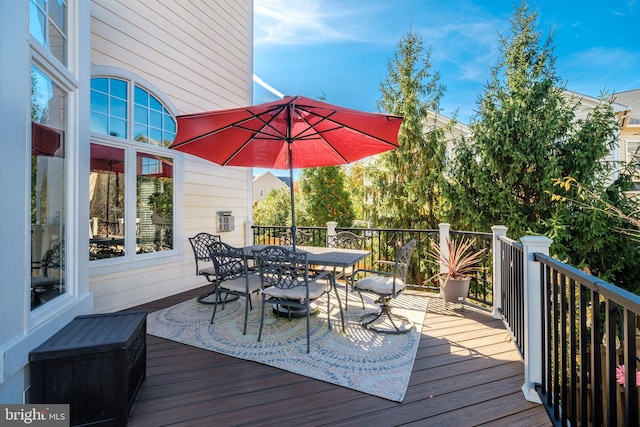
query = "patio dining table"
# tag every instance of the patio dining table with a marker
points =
(319, 256)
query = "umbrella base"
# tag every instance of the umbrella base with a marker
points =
(296, 312)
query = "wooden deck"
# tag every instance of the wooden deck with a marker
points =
(467, 372)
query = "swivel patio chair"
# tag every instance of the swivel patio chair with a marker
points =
(200, 244)
(386, 283)
(233, 277)
(285, 282)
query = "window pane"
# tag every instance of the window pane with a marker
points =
(141, 114)
(140, 133)
(48, 25)
(169, 124)
(57, 11)
(48, 188)
(141, 97)
(155, 119)
(99, 102)
(106, 202)
(155, 136)
(109, 97)
(58, 44)
(37, 22)
(155, 104)
(99, 123)
(118, 88)
(118, 108)
(168, 139)
(100, 84)
(118, 128)
(155, 203)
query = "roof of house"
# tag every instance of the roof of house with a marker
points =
(630, 98)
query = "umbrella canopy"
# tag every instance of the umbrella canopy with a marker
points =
(294, 132)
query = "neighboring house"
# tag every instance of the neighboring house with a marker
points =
(623, 151)
(263, 184)
(96, 210)
(630, 127)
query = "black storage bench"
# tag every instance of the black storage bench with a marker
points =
(96, 363)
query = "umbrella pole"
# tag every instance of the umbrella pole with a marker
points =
(290, 149)
(293, 210)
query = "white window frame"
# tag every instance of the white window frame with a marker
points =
(65, 76)
(131, 259)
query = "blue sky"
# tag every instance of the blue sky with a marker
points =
(341, 48)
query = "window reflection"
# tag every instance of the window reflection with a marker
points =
(109, 107)
(48, 189)
(154, 203)
(147, 121)
(48, 25)
(106, 202)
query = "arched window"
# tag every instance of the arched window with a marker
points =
(131, 128)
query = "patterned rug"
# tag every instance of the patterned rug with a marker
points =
(374, 363)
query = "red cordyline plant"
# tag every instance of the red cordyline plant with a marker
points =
(461, 261)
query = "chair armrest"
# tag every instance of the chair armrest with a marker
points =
(384, 262)
(321, 275)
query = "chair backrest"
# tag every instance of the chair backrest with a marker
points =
(346, 240)
(200, 244)
(282, 268)
(228, 262)
(53, 259)
(302, 238)
(403, 259)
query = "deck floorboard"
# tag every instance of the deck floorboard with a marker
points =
(467, 372)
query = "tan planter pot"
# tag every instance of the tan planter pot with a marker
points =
(454, 290)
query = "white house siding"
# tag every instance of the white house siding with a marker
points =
(198, 54)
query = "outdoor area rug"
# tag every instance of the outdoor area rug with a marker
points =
(375, 363)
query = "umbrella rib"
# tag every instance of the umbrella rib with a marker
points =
(342, 125)
(266, 124)
(237, 125)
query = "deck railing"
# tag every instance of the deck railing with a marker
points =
(577, 335)
(383, 243)
(512, 273)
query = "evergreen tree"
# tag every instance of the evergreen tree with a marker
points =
(405, 184)
(525, 138)
(506, 171)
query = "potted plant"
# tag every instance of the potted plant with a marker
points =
(460, 262)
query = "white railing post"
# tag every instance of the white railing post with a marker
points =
(498, 231)
(533, 315)
(248, 233)
(444, 247)
(331, 230)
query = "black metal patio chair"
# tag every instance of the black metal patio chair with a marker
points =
(344, 240)
(233, 277)
(286, 282)
(386, 283)
(201, 243)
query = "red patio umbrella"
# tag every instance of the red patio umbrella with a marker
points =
(294, 132)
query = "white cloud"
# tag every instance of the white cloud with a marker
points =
(308, 22)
